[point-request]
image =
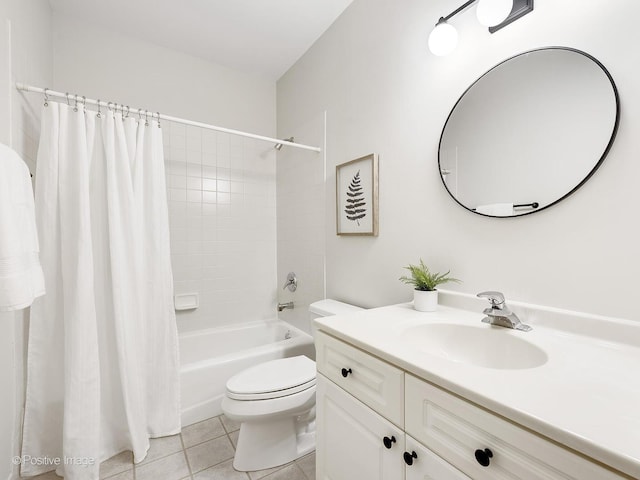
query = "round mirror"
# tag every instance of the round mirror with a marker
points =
(529, 132)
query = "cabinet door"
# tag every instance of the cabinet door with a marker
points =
(350, 438)
(426, 465)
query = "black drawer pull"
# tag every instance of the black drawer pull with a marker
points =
(388, 442)
(346, 372)
(484, 457)
(408, 457)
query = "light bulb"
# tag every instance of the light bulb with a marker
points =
(493, 12)
(443, 39)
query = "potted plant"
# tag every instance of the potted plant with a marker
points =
(425, 295)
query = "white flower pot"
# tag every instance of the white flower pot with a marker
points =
(425, 301)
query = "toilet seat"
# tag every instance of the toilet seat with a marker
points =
(273, 379)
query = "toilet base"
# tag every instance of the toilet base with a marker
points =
(273, 442)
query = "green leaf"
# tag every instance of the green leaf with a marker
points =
(423, 279)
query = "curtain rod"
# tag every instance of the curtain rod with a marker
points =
(82, 100)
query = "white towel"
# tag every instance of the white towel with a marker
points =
(21, 277)
(496, 209)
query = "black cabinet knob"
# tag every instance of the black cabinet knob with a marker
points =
(388, 442)
(346, 372)
(484, 457)
(408, 457)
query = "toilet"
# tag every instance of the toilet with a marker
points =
(275, 404)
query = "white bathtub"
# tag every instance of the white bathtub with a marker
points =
(210, 357)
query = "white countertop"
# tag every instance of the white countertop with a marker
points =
(586, 396)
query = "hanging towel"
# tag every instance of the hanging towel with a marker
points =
(21, 277)
(496, 209)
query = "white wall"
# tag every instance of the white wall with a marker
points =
(221, 188)
(25, 56)
(301, 219)
(385, 93)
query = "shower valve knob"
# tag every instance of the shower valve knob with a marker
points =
(291, 283)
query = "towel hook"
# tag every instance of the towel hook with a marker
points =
(46, 97)
(158, 119)
(99, 106)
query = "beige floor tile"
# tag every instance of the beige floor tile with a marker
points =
(128, 475)
(229, 425)
(263, 473)
(44, 476)
(233, 436)
(173, 467)
(161, 447)
(223, 471)
(209, 454)
(203, 431)
(308, 465)
(116, 464)
(290, 472)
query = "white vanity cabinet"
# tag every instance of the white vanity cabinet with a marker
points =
(354, 442)
(353, 438)
(375, 421)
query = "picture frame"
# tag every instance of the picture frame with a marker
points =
(357, 197)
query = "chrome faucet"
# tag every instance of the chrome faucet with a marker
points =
(500, 314)
(282, 306)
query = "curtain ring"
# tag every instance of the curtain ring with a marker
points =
(158, 119)
(146, 118)
(67, 95)
(84, 104)
(128, 110)
(75, 106)
(109, 106)
(139, 114)
(99, 106)
(46, 98)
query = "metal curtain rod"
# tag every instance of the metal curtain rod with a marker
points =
(82, 100)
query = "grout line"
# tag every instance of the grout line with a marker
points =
(186, 457)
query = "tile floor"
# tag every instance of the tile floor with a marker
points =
(203, 451)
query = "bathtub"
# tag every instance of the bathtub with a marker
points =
(208, 358)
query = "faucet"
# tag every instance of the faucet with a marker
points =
(282, 306)
(500, 314)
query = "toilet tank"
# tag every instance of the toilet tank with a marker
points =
(328, 307)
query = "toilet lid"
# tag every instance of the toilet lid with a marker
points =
(273, 379)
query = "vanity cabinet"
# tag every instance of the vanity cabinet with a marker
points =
(355, 442)
(360, 420)
(376, 421)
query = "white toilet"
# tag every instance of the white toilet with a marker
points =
(275, 403)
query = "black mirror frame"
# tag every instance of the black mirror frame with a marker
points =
(593, 170)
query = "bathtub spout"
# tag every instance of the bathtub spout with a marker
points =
(282, 306)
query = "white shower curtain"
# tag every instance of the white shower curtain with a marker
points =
(102, 373)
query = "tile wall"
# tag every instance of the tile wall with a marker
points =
(222, 216)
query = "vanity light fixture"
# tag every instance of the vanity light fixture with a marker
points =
(494, 14)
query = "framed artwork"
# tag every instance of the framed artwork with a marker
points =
(357, 197)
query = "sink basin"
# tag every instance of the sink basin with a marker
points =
(482, 346)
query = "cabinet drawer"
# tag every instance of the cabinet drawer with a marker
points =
(371, 380)
(454, 429)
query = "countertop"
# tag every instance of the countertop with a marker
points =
(586, 396)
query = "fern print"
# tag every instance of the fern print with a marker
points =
(355, 206)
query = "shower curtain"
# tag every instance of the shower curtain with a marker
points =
(102, 366)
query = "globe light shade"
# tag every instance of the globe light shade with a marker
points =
(493, 12)
(443, 39)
